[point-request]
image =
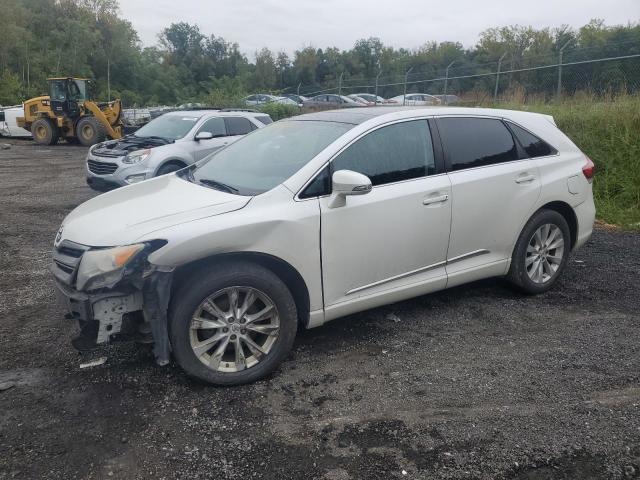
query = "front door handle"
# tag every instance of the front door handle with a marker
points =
(525, 178)
(433, 200)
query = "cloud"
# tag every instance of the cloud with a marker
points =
(286, 25)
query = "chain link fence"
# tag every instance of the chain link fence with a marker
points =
(541, 78)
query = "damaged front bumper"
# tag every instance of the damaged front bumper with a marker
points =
(134, 306)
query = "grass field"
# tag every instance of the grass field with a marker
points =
(608, 131)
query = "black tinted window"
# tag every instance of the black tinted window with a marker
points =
(390, 154)
(474, 142)
(1, 116)
(321, 185)
(534, 146)
(237, 125)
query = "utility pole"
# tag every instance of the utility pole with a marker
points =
(340, 84)
(298, 91)
(404, 95)
(495, 92)
(446, 79)
(108, 79)
(377, 77)
(559, 92)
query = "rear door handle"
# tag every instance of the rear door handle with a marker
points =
(434, 200)
(525, 178)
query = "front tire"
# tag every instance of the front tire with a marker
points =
(90, 131)
(232, 324)
(541, 253)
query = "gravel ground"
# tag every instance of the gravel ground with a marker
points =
(474, 382)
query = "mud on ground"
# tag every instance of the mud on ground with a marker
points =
(475, 382)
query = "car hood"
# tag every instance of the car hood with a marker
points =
(128, 144)
(130, 214)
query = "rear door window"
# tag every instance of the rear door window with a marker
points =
(397, 152)
(476, 142)
(237, 125)
(534, 146)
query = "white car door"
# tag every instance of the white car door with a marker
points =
(391, 243)
(215, 126)
(495, 188)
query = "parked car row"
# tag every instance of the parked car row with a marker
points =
(310, 219)
(352, 100)
(368, 100)
(261, 99)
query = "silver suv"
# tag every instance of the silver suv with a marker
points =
(167, 144)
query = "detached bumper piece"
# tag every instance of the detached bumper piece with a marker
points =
(131, 309)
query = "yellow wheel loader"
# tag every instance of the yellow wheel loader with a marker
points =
(67, 112)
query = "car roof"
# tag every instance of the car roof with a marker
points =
(217, 113)
(357, 116)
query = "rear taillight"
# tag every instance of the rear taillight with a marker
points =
(589, 169)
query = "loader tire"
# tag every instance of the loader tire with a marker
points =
(90, 131)
(45, 132)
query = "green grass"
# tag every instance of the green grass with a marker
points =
(608, 131)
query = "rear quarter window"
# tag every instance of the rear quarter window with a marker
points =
(264, 119)
(534, 146)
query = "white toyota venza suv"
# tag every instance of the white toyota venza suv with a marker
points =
(317, 217)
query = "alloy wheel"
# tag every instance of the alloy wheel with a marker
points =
(545, 252)
(234, 329)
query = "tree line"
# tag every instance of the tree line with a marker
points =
(89, 38)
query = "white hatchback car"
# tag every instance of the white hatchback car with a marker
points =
(317, 217)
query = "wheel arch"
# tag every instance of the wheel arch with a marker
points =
(569, 215)
(168, 161)
(283, 269)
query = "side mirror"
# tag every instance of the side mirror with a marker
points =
(203, 136)
(347, 182)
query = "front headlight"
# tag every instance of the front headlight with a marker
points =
(105, 267)
(137, 156)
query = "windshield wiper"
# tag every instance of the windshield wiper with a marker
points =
(218, 185)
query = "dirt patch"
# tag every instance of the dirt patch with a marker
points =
(475, 382)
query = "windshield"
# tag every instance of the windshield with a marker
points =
(171, 127)
(267, 157)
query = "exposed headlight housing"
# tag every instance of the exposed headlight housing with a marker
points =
(137, 156)
(105, 267)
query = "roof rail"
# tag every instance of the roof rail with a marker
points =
(197, 108)
(252, 110)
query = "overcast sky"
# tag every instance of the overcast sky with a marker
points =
(288, 25)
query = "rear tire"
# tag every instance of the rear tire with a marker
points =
(202, 308)
(90, 131)
(45, 132)
(541, 252)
